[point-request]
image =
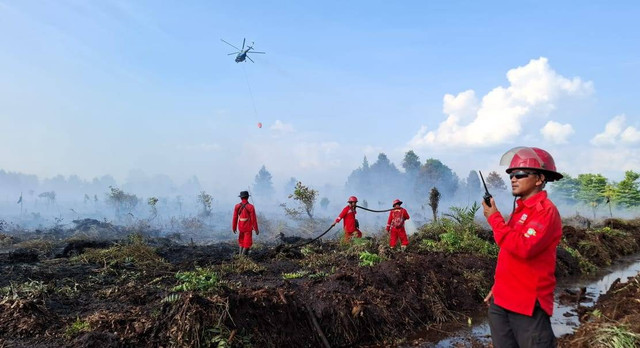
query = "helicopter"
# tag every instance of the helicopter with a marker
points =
(243, 52)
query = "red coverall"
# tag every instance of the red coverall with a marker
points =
(395, 225)
(349, 216)
(525, 271)
(244, 221)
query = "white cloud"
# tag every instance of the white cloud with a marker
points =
(498, 118)
(612, 163)
(556, 132)
(630, 135)
(615, 133)
(282, 127)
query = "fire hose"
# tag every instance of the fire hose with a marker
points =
(329, 229)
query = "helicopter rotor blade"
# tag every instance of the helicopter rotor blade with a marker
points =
(232, 53)
(250, 59)
(243, 40)
(257, 52)
(230, 44)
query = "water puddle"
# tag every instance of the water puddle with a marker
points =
(565, 317)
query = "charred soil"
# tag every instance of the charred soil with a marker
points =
(152, 292)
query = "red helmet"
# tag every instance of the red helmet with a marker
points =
(353, 199)
(531, 158)
(397, 201)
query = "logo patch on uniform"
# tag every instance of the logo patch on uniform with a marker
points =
(530, 233)
(523, 218)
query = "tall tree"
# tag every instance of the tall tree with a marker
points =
(435, 174)
(359, 181)
(386, 179)
(565, 190)
(494, 182)
(627, 192)
(263, 186)
(411, 163)
(592, 190)
(474, 186)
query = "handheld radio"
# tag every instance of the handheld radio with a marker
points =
(487, 195)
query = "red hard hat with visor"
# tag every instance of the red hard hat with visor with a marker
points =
(531, 158)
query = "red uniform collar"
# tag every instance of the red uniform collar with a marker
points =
(533, 200)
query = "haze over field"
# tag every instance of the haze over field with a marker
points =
(146, 93)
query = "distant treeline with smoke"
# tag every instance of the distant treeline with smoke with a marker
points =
(376, 185)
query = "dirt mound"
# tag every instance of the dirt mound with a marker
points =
(77, 247)
(566, 263)
(20, 256)
(615, 318)
(185, 256)
(97, 339)
(572, 235)
(6, 240)
(25, 318)
(624, 225)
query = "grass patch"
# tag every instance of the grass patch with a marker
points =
(295, 275)
(202, 279)
(77, 327)
(27, 290)
(43, 246)
(615, 336)
(241, 264)
(135, 252)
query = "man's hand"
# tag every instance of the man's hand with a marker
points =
(487, 299)
(388, 229)
(488, 211)
(234, 231)
(257, 232)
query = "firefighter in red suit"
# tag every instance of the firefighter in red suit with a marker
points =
(395, 225)
(348, 215)
(245, 222)
(521, 299)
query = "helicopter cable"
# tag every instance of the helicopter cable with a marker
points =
(253, 102)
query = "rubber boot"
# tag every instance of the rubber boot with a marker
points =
(403, 248)
(241, 251)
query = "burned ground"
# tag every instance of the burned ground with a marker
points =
(144, 291)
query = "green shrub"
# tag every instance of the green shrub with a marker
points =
(369, 259)
(77, 327)
(294, 275)
(202, 279)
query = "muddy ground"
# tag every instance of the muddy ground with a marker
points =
(70, 289)
(614, 321)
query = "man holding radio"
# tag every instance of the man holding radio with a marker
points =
(521, 299)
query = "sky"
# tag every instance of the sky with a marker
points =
(119, 87)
